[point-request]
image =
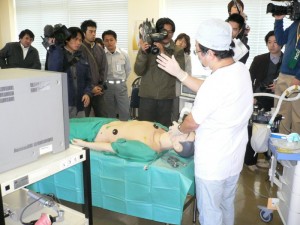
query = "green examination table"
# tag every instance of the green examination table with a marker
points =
(154, 190)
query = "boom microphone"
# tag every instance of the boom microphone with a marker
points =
(48, 31)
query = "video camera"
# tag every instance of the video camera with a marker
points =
(264, 88)
(150, 35)
(59, 32)
(292, 9)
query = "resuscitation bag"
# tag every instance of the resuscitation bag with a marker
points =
(260, 137)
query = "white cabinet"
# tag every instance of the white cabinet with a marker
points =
(288, 185)
(289, 195)
(49, 164)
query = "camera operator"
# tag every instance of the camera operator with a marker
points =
(289, 72)
(48, 40)
(54, 37)
(157, 88)
(67, 58)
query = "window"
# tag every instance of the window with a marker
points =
(109, 14)
(188, 14)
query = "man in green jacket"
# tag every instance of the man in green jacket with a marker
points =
(157, 89)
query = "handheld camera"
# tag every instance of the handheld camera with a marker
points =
(292, 9)
(150, 35)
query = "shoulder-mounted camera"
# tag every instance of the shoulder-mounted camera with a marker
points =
(292, 9)
(150, 35)
(59, 32)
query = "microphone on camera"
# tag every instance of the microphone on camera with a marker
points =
(48, 31)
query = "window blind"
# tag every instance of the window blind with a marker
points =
(109, 14)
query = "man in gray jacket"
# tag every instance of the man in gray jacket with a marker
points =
(157, 89)
(20, 54)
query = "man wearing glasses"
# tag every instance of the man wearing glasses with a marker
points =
(157, 89)
(219, 117)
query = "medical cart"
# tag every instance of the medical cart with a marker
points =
(288, 195)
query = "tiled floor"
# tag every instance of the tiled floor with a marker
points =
(253, 190)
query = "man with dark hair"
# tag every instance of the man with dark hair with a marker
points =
(116, 95)
(20, 54)
(67, 58)
(237, 7)
(98, 64)
(220, 122)
(241, 49)
(157, 89)
(264, 70)
(237, 22)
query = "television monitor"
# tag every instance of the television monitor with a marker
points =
(33, 115)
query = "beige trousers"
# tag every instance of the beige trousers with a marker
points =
(289, 110)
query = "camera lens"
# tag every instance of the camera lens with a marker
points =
(154, 50)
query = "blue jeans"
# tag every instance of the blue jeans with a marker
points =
(215, 200)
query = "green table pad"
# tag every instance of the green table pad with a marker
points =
(123, 186)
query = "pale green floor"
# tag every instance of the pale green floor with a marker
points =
(253, 190)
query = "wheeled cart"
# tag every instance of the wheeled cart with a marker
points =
(288, 182)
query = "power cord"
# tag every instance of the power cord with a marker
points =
(49, 200)
(22, 213)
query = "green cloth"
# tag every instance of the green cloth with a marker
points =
(122, 185)
(134, 150)
(87, 128)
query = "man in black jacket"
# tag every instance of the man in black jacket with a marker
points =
(20, 54)
(264, 70)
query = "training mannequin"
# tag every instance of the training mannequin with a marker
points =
(145, 132)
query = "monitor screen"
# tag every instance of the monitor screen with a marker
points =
(186, 92)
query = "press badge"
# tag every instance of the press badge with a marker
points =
(294, 59)
(119, 67)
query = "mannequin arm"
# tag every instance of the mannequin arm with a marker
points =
(99, 146)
